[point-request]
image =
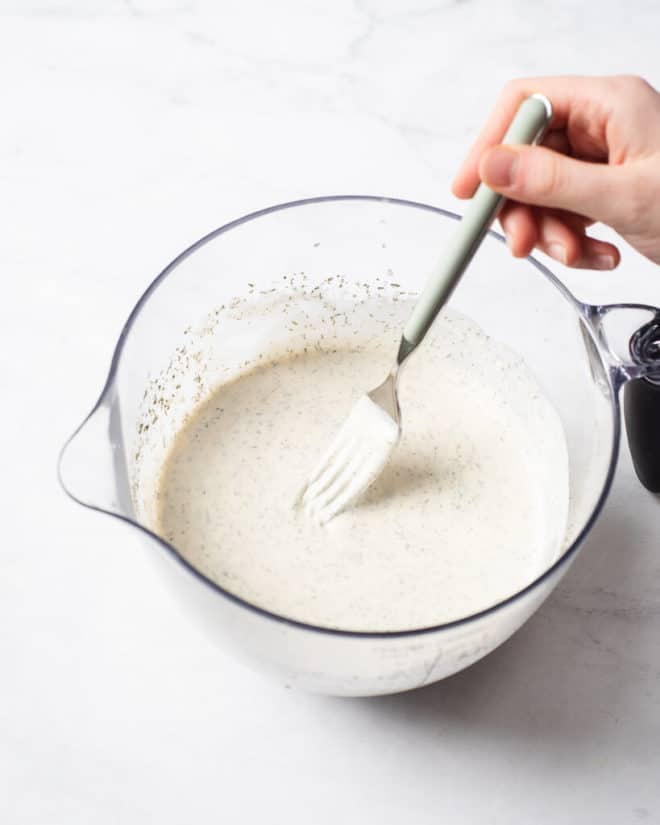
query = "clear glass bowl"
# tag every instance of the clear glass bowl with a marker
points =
(578, 353)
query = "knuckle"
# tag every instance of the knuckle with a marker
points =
(637, 82)
(632, 84)
(512, 88)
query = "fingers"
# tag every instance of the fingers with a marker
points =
(559, 235)
(557, 239)
(598, 254)
(588, 99)
(539, 176)
(558, 142)
(577, 222)
(468, 178)
(520, 227)
(597, 163)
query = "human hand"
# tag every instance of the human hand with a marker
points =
(600, 161)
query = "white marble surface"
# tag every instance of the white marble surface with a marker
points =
(128, 130)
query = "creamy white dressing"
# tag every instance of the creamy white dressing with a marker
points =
(352, 462)
(470, 508)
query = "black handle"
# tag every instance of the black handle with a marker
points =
(642, 407)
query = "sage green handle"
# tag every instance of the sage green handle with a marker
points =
(528, 126)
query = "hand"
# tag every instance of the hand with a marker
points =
(600, 161)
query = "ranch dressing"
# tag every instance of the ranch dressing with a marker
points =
(470, 508)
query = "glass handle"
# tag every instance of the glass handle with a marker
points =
(635, 359)
(92, 466)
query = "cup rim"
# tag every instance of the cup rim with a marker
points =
(547, 574)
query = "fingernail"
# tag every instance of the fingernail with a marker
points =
(500, 166)
(557, 251)
(603, 262)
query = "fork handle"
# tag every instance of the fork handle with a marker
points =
(528, 126)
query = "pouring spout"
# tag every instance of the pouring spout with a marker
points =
(92, 467)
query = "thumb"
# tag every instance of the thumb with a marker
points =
(539, 176)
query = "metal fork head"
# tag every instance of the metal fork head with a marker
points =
(357, 455)
(360, 449)
(385, 395)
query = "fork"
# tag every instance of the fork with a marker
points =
(364, 443)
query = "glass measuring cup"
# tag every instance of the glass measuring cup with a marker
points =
(579, 354)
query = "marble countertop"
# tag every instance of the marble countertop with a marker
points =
(130, 128)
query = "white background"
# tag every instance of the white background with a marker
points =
(128, 130)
